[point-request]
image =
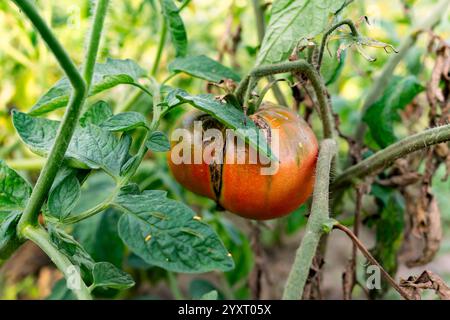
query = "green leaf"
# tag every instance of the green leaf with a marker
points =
(212, 295)
(9, 241)
(98, 187)
(107, 275)
(329, 224)
(90, 146)
(158, 142)
(64, 197)
(389, 227)
(175, 26)
(14, 190)
(293, 21)
(106, 75)
(225, 113)
(165, 233)
(124, 121)
(201, 288)
(99, 236)
(96, 114)
(380, 117)
(60, 291)
(68, 246)
(204, 68)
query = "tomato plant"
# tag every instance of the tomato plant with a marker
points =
(243, 188)
(120, 187)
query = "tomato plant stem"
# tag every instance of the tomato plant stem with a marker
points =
(68, 124)
(371, 259)
(316, 81)
(39, 236)
(323, 44)
(314, 228)
(94, 37)
(261, 30)
(162, 42)
(384, 158)
(27, 226)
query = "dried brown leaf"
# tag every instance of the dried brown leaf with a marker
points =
(426, 281)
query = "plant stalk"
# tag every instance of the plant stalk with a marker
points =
(372, 260)
(40, 237)
(323, 44)
(67, 127)
(261, 30)
(384, 158)
(316, 81)
(314, 228)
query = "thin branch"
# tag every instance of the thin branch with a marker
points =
(384, 158)
(39, 236)
(316, 81)
(372, 260)
(261, 29)
(314, 229)
(347, 22)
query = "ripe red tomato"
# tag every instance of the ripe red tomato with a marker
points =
(242, 188)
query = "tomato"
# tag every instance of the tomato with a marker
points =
(241, 188)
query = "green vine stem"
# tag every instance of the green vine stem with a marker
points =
(161, 43)
(381, 81)
(65, 131)
(94, 40)
(39, 236)
(261, 29)
(316, 81)
(323, 44)
(28, 224)
(384, 158)
(314, 228)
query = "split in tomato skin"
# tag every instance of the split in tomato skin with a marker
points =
(242, 188)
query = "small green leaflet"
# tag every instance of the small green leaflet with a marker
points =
(99, 236)
(380, 117)
(293, 21)
(175, 26)
(9, 241)
(14, 190)
(166, 233)
(158, 142)
(389, 227)
(96, 114)
(107, 275)
(106, 75)
(90, 146)
(125, 121)
(204, 68)
(212, 295)
(64, 197)
(227, 114)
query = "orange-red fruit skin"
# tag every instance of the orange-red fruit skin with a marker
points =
(248, 193)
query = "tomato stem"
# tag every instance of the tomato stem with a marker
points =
(295, 66)
(314, 228)
(39, 236)
(78, 96)
(384, 158)
(323, 44)
(28, 224)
